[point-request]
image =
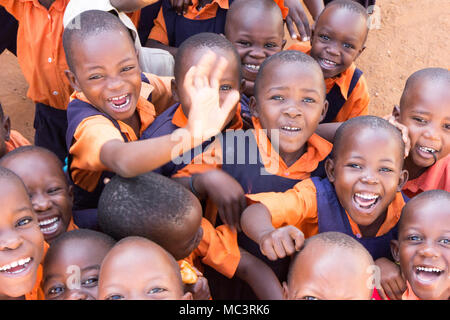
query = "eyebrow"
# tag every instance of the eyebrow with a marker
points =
(101, 67)
(22, 209)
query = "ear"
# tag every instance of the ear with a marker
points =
(187, 296)
(6, 126)
(329, 169)
(285, 291)
(324, 110)
(72, 80)
(252, 106)
(402, 180)
(396, 112)
(174, 88)
(395, 250)
(242, 86)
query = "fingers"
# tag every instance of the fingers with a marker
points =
(291, 29)
(398, 286)
(298, 19)
(382, 294)
(282, 243)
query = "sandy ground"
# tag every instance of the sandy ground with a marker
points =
(412, 34)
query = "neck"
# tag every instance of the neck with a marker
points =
(414, 171)
(135, 123)
(290, 158)
(372, 229)
(46, 3)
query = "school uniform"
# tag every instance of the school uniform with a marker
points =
(16, 140)
(409, 293)
(172, 29)
(41, 57)
(347, 93)
(88, 130)
(435, 177)
(313, 207)
(250, 158)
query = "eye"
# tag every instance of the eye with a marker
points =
(225, 87)
(95, 77)
(270, 45)
(324, 37)
(244, 43)
(348, 46)
(447, 126)
(55, 290)
(128, 68)
(309, 298)
(156, 290)
(419, 120)
(24, 221)
(277, 97)
(386, 170)
(90, 282)
(309, 100)
(353, 166)
(115, 297)
(414, 238)
(444, 241)
(54, 190)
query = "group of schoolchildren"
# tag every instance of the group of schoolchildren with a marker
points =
(247, 171)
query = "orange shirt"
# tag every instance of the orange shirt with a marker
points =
(71, 226)
(92, 133)
(409, 293)
(298, 207)
(15, 141)
(39, 50)
(217, 249)
(37, 293)
(357, 104)
(159, 31)
(435, 177)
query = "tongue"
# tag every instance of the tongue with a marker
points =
(16, 269)
(120, 101)
(364, 202)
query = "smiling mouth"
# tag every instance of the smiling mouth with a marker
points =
(17, 267)
(427, 275)
(327, 64)
(49, 226)
(366, 200)
(427, 151)
(120, 103)
(251, 67)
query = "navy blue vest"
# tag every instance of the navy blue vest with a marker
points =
(180, 28)
(332, 217)
(77, 111)
(336, 100)
(248, 169)
(148, 14)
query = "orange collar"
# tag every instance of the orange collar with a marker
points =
(409, 293)
(180, 120)
(224, 4)
(317, 150)
(392, 216)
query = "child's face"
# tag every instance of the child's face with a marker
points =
(21, 240)
(73, 272)
(137, 271)
(5, 128)
(338, 39)
(107, 73)
(329, 274)
(423, 248)
(256, 37)
(48, 189)
(184, 238)
(290, 103)
(228, 82)
(426, 114)
(367, 173)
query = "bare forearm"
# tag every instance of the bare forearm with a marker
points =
(256, 221)
(131, 5)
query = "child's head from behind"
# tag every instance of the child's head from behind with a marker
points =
(5, 128)
(154, 207)
(366, 168)
(256, 29)
(21, 241)
(189, 54)
(72, 265)
(289, 100)
(51, 196)
(330, 266)
(139, 269)
(339, 36)
(423, 245)
(107, 73)
(425, 111)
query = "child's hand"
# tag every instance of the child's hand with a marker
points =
(206, 117)
(298, 17)
(180, 6)
(200, 289)
(226, 193)
(392, 282)
(281, 242)
(403, 129)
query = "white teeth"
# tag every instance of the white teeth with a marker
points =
(118, 98)
(49, 229)
(426, 149)
(329, 62)
(291, 128)
(14, 264)
(252, 66)
(428, 269)
(367, 196)
(48, 221)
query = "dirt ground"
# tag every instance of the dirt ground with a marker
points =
(412, 35)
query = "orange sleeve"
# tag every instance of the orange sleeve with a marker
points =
(16, 140)
(162, 92)
(303, 47)
(219, 248)
(283, 8)
(210, 159)
(159, 31)
(14, 7)
(357, 104)
(297, 206)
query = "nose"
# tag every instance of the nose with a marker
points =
(331, 49)
(292, 111)
(77, 295)
(432, 133)
(369, 177)
(41, 202)
(257, 53)
(114, 83)
(9, 240)
(428, 250)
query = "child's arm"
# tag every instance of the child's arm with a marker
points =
(206, 119)
(259, 276)
(328, 130)
(256, 222)
(298, 17)
(392, 282)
